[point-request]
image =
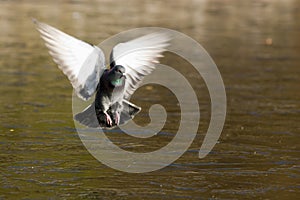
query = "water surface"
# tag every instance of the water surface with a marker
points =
(256, 46)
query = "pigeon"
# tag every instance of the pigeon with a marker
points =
(113, 85)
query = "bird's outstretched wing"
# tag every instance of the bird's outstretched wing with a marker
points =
(139, 57)
(81, 62)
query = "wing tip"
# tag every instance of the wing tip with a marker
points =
(34, 20)
(165, 36)
(40, 27)
(36, 23)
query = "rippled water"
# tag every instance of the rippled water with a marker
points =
(256, 46)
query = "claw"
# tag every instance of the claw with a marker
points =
(108, 119)
(117, 119)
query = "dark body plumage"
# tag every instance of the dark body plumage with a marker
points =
(109, 101)
(109, 94)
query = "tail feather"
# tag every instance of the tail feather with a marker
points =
(88, 117)
(129, 111)
(93, 119)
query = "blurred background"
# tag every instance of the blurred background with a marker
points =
(256, 46)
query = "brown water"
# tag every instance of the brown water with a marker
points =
(256, 45)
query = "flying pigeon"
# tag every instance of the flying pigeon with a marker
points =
(84, 65)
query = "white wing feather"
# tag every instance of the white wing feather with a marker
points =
(139, 57)
(81, 62)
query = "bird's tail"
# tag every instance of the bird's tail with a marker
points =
(88, 117)
(128, 112)
(93, 119)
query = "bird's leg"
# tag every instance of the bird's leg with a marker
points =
(117, 119)
(108, 119)
(116, 110)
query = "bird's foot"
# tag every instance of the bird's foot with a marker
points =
(117, 118)
(108, 119)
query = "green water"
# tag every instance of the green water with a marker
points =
(256, 45)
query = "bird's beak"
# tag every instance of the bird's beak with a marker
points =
(123, 75)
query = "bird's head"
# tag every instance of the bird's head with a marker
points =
(117, 76)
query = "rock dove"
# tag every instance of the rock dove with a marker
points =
(84, 65)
